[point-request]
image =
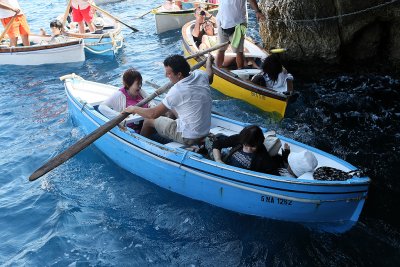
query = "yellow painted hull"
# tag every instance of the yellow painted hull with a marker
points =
(263, 102)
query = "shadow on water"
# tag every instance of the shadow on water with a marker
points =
(356, 118)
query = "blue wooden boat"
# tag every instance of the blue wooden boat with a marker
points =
(105, 44)
(327, 205)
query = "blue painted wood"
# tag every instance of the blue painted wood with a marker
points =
(103, 48)
(330, 206)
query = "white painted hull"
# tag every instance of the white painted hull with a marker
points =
(43, 53)
(166, 21)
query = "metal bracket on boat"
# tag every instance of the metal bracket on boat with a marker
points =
(183, 158)
(83, 106)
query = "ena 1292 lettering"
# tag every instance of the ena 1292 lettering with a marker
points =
(272, 200)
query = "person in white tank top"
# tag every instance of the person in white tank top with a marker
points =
(232, 13)
(19, 26)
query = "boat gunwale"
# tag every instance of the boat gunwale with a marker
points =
(117, 30)
(33, 48)
(182, 11)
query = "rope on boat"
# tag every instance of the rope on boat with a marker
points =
(114, 43)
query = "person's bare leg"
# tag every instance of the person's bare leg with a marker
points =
(147, 128)
(13, 41)
(81, 27)
(220, 58)
(25, 40)
(91, 27)
(240, 60)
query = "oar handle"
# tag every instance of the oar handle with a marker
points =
(206, 51)
(113, 17)
(8, 26)
(144, 14)
(66, 13)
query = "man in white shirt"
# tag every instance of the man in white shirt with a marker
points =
(230, 14)
(19, 27)
(189, 99)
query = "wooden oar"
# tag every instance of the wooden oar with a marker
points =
(66, 13)
(206, 51)
(113, 17)
(87, 140)
(144, 14)
(8, 26)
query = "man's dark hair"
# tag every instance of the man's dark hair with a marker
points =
(178, 64)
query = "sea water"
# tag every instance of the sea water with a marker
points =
(90, 212)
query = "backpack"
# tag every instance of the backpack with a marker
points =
(332, 174)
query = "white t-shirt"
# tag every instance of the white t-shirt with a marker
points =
(280, 84)
(5, 13)
(191, 99)
(81, 4)
(113, 106)
(232, 13)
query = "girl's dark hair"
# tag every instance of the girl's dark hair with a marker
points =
(252, 136)
(56, 24)
(272, 66)
(130, 76)
(178, 64)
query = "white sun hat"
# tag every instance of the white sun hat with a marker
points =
(302, 162)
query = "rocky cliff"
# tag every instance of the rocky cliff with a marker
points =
(332, 32)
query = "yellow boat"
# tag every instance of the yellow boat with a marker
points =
(236, 83)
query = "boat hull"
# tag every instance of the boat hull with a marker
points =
(167, 21)
(43, 54)
(320, 204)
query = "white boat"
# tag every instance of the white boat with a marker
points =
(172, 20)
(107, 43)
(41, 52)
(327, 205)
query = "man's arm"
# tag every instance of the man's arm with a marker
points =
(209, 68)
(148, 113)
(254, 6)
(7, 7)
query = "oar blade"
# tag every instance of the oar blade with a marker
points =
(77, 147)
